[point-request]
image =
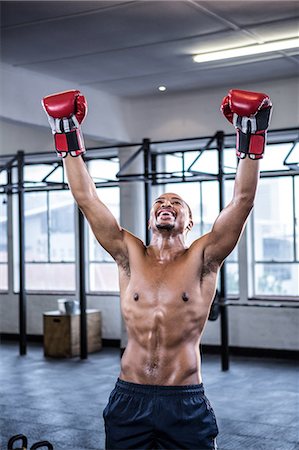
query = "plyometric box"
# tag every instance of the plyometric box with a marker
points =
(62, 333)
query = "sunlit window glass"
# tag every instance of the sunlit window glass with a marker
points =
(37, 174)
(103, 275)
(210, 204)
(232, 266)
(273, 220)
(276, 269)
(230, 160)
(277, 279)
(297, 215)
(104, 169)
(61, 226)
(3, 243)
(51, 277)
(206, 163)
(49, 241)
(36, 226)
(278, 153)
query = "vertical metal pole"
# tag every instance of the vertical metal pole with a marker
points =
(147, 185)
(22, 293)
(154, 168)
(82, 287)
(222, 293)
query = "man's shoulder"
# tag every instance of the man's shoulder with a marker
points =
(199, 244)
(133, 242)
(197, 250)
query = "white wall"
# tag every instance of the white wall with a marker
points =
(253, 327)
(16, 136)
(169, 116)
(21, 92)
(193, 114)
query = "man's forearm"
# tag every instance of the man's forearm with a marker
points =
(246, 180)
(79, 180)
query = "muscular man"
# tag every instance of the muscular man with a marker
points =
(166, 288)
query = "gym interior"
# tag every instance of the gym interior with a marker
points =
(154, 125)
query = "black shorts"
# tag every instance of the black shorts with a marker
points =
(140, 416)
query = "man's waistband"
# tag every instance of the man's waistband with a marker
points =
(128, 387)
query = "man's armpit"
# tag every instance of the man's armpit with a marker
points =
(123, 264)
(208, 267)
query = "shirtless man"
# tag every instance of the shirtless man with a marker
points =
(166, 288)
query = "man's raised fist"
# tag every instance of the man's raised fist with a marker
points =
(66, 111)
(250, 113)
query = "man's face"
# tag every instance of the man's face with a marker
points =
(169, 212)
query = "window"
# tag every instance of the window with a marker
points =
(275, 236)
(103, 274)
(37, 174)
(296, 218)
(278, 153)
(207, 162)
(103, 169)
(49, 241)
(3, 244)
(232, 262)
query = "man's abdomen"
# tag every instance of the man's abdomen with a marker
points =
(162, 366)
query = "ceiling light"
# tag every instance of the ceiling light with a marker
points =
(162, 88)
(248, 50)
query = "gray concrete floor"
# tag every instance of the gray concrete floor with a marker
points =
(256, 402)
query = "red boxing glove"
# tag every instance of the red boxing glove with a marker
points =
(250, 113)
(66, 111)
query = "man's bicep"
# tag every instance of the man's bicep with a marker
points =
(105, 228)
(226, 231)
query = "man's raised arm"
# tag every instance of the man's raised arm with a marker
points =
(250, 114)
(66, 111)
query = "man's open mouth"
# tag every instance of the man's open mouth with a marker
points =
(166, 213)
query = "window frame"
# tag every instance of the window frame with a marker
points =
(295, 259)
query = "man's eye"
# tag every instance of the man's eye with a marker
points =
(177, 203)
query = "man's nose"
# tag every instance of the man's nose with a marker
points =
(166, 203)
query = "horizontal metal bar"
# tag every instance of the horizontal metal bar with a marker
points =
(197, 172)
(265, 305)
(104, 147)
(94, 261)
(49, 262)
(276, 262)
(127, 178)
(135, 144)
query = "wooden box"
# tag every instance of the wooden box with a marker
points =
(62, 333)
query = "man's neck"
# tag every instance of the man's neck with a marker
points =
(166, 246)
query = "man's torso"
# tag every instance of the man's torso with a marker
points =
(165, 305)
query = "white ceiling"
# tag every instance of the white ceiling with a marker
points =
(129, 48)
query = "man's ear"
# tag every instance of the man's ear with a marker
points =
(190, 225)
(148, 225)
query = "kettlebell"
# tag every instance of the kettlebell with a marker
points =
(24, 443)
(42, 444)
(18, 437)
